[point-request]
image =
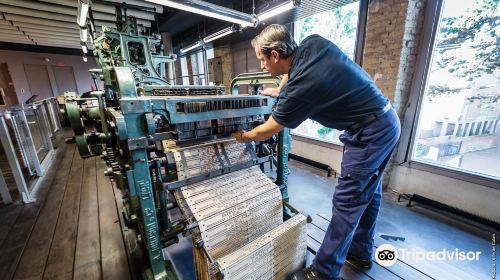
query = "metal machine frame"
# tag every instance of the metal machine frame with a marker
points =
(137, 110)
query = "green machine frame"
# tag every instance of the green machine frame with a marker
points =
(123, 124)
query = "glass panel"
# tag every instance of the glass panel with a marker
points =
(339, 26)
(458, 122)
(184, 71)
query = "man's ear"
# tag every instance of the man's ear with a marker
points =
(275, 56)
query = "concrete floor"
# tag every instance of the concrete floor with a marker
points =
(423, 229)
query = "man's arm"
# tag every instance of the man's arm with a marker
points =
(274, 92)
(260, 133)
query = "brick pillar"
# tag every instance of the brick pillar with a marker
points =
(226, 56)
(394, 28)
(190, 69)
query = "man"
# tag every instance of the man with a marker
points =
(323, 84)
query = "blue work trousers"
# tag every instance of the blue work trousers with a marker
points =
(356, 200)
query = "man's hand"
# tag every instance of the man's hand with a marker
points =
(238, 135)
(273, 92)
(260, 133)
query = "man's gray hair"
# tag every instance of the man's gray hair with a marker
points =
(275, 37)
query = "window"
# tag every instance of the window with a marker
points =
(184, 71)
(472, 127)
(193, 67)
(339, 26)
(459, 131)
(450, 128)
(463, 87)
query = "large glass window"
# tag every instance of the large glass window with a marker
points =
(339, 26)
(458, 124)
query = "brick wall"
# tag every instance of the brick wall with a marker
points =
(225, 54)
(393, 31)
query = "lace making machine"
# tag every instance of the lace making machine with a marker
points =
(168, 147)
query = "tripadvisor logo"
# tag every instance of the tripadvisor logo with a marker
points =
(387, 255)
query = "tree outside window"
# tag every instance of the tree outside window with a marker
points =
(458, 122)
(339, 26)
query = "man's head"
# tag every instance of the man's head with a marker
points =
(274, 47)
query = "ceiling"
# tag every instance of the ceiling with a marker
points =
(187, 28)
(45, 24)
(53, 22)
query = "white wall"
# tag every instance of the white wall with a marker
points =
(321, 152)
(473, 198)
(479, 200)
(16, 60)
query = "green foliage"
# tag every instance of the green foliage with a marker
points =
(338, 25)
(434, 90)
(468, 44)
(323, 131)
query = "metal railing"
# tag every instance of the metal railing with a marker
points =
(34, 126)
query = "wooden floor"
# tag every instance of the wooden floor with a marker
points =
(402, 269)
(72, 231)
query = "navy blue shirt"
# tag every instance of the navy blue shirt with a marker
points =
(326, 86)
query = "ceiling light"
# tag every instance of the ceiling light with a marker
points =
(83, 11)
(210, 10)
(84, 47)
(278, 10)
(219, 34)
(193, 46)
(83, 34)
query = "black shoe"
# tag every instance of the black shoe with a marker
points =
(309, 273)
(359, 263)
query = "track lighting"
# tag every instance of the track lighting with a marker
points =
(191, 47)
(83, 11)
(219, 34)
(83, 34)
(278, 10)
(210, 10)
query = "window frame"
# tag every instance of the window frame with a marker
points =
(411, 117)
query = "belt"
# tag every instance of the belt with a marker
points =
(370, 118)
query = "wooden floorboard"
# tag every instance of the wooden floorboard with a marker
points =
(410, 271)
(33, 260)
(8, 216)
(14, 243)
(62, 251)
(400, 270)
(313, 245)
(137, 260)
(88, 248)
(72, 231)
(113, 254)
